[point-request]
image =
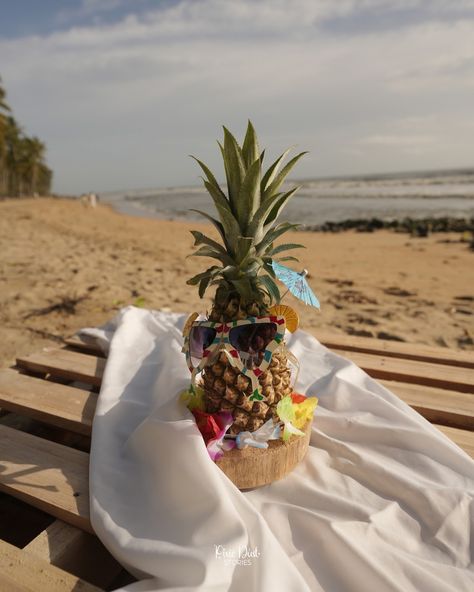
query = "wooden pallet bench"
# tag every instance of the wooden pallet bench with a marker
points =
(45, 468)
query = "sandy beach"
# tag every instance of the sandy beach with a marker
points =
(64, 266)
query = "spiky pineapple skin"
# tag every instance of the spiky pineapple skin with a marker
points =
(227, 389)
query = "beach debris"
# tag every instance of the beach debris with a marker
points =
(424, 302)
(66, 305)
(389, 336)
(465, 341)
(352, 297)
(357, 318)
(358, 332)
(339, 283)
(45, 334)
(396, 291)
(464, 311)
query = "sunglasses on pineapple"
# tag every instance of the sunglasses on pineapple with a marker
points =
(248, 344)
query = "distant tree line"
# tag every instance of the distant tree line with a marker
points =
(23, 170)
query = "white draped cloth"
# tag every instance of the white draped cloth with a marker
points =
(382, 502)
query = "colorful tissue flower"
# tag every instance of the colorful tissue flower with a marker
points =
(193, 398)
(295, 411)
(206, 424)
(304, 411)
(297, 398)
(213, 428)
(286, 412)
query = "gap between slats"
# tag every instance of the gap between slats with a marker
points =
(21, 571)
(76, 552)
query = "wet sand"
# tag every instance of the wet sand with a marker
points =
(64, 266)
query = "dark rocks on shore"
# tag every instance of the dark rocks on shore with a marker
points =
(421, 227)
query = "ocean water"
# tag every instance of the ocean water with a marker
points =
(389, 197)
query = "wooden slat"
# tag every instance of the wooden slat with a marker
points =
(21, 571)
(462, 438)
(47, 475)
(437, 375)
(56, 473)
(408, 379)
(57, 404)
(436, 405)
(76, 552)
(408, 351)
(65, 364)
(73, 409)
(85, 345)
(436, 357)
(75, 365)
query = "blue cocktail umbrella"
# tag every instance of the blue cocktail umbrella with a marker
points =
(296, 283)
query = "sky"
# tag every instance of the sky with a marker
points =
(122, 91)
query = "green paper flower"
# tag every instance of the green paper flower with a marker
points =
(286, 413)
(193, 398)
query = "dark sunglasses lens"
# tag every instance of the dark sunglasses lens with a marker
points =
(200, 338)
(252, 338)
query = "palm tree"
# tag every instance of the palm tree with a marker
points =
(32, 156)
(45, 177)
(23, 169)
(4, 108)
(14, 156)
(3, 94)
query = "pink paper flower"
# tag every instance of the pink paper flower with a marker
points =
(213, 428)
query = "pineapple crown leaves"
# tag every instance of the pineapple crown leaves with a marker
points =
(247, 221)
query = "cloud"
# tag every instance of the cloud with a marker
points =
(398, 140)
(122, 104)
(87, 8)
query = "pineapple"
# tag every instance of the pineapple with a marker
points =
(245, 280)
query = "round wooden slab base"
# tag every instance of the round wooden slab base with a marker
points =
(254, 467)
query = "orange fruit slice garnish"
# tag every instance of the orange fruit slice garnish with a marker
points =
(291, 316)
(188, 324)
